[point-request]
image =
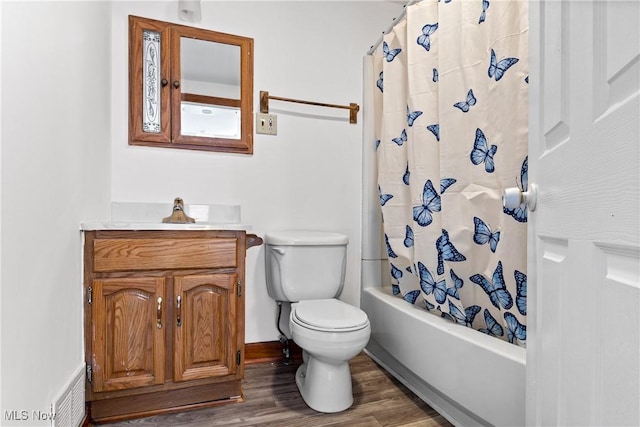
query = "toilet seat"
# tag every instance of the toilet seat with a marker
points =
(329, 315)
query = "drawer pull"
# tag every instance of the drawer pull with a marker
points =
(179, 311)
(159, 314)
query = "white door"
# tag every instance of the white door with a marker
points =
(583, 346)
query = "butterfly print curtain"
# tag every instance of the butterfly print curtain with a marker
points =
(451, 84)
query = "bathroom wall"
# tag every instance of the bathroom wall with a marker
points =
(55, 172)
(306, 177)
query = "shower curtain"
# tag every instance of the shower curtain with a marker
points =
(451, 133)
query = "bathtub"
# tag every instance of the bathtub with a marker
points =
(467, 376)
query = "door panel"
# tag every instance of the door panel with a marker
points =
(583, 344)
(128, 346)
(205, 335)
(619, 289)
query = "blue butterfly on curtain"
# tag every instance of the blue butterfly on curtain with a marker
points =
(411, 296)
(482, 234)
(380, 81)
(389, 55)
(465, 105)
(520, 213)
(428, 306)
(466, 318)
(424, 40)
(412, 116)
(481, 153)
(498, 68)
(457, 284)
(407, 175)
(377, 144)
(431, 203)
(430, 286)
(395, 289)
(435, 130)
(390, 251)
(384, 198)
(396, 273)
(493, 327)
(521, 292)
(435, 75)
(515, 329)
(496, 290)
(483, 15)
(401, 139)
(408, 239)
(446, 251)
(446, 183)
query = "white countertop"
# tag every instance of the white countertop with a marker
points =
(98, 226)
(148, 216)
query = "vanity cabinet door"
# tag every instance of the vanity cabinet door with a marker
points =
(128, 316)
(205, 326)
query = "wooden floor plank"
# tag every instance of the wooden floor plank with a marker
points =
(272, 399)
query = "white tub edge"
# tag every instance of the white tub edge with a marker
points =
(478, 380)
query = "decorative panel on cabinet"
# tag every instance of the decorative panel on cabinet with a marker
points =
(164, 320)
(128, 344)
(205, 314)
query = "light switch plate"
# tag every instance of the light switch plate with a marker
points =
(266, 124)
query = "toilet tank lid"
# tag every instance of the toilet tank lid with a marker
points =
(302, 238)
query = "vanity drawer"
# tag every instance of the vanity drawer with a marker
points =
(163, 253)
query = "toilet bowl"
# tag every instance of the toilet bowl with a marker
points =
(330, 333)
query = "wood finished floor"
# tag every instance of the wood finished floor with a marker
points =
(272, 399)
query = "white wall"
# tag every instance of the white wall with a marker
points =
(306, 177)
(55, 173)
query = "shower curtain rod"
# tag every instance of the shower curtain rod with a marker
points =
(394, 22)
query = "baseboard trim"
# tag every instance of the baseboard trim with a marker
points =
(269, 351)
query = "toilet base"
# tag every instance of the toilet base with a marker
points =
(325, 387)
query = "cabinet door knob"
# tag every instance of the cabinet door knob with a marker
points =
(159, 314)
(179, 311)
(176, 84)
(164, 82)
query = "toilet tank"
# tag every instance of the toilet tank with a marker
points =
(303, 265)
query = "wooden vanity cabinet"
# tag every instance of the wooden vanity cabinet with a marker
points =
(164, 320)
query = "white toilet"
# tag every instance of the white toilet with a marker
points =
(307, 269)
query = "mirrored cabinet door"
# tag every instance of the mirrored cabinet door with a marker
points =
(210, 86)
(206, 80)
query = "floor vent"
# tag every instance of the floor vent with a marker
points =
(69, 408)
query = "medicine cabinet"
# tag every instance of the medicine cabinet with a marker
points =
(189, 88)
